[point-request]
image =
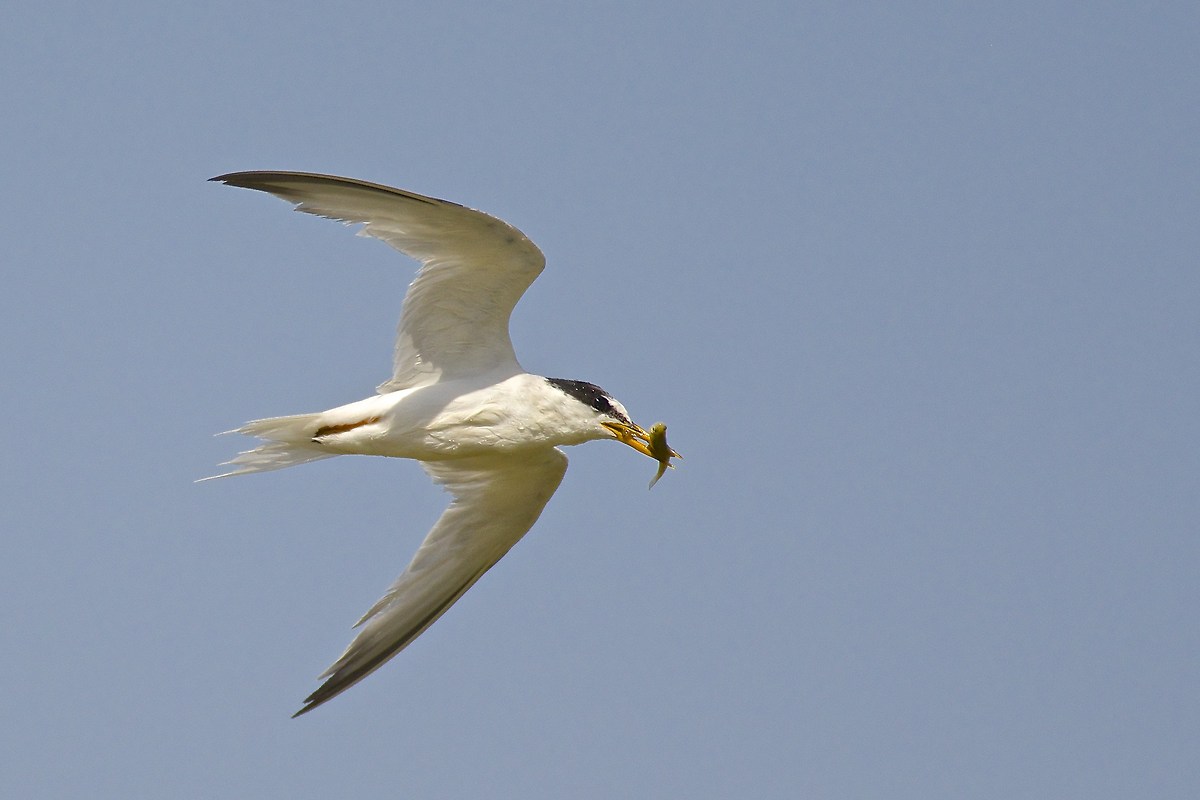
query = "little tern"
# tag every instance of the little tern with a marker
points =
(457, 402)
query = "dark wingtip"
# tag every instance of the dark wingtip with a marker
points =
(318, 698)
(241, 179)
(276, 181)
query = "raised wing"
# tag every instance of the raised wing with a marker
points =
(496, 501)
(454, 321)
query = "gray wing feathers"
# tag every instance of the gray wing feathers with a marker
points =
(475, 268)
(496, 501)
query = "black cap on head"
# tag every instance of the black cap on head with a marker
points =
(590, 395)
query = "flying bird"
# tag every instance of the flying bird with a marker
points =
(458, 402)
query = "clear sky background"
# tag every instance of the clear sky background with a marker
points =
(914, 285)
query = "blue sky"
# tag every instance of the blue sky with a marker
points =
(914, 286)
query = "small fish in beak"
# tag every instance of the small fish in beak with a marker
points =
(660, 451)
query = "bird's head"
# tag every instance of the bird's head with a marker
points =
(611, 419)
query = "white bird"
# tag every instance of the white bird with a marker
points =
(457, 401)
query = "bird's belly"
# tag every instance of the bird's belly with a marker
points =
(457, 433)
(428, 428)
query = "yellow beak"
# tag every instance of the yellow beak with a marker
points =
(632, 435)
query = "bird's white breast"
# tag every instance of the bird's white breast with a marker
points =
(454, 419)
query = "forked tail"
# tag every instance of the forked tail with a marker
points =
(288, 441)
